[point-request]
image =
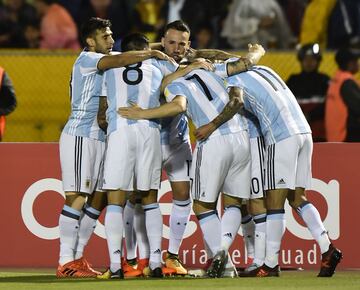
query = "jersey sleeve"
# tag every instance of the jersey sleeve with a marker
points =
(89, 63)
(173, 90)
(167, 67)
(221, 68)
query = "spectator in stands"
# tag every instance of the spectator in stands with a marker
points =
(116, 11)
(7, 99)
(192, 12)
(146, 18)
(57, 28)
(204, 37)
(315, 22)
(32, 34)
(344, 24)
(342, 111)
(294, 11)
(15, 15)
(310, 87)
(257, 21)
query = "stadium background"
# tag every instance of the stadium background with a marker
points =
(41, 81)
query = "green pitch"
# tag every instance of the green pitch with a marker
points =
(43, 279)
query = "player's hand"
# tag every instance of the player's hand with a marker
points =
(256, 51)
(190, 54)
(202, 63)
(204, 131)
(160, 55)
(134, 112)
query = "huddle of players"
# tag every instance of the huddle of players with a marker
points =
(198, 90)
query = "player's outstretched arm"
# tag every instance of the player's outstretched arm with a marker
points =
(182, 71)
(211, 54)
(255, 53)
(232, 107)
(173, 108)
(130, 57)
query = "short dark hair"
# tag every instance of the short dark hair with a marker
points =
(344, 56)
(177, 25)
(134, 41)
(88, 28)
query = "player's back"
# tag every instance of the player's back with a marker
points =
(138, 84)
(84, 101)
(206, 98)
(271, 101)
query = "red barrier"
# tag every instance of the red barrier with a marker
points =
(32, 200)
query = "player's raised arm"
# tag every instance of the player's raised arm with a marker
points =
(256, 51)
(182, 71)
(129, 57)
(232, 107)
(173, 108)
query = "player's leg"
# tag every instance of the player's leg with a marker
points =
(141, 236)
(248, 230)
(257, 206)
(154, 223)
(118, 179)
(130, 262)
(148, 173)
(90, 214)
(280, 176)
(176, 163)
(308, 212)
(77, 155)
(130, 238)
(258, 211)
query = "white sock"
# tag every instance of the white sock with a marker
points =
(211, 228)
(275, 228)
(114, 234)
(230, 224)
(69, 228)
(260, 238)
(179, 218)
(312, 219)
(140, 232)
(87, 227)
(154, 224)
(130, 238)
(248, 229)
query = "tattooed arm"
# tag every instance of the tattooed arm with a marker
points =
(232, 107)
(256, 51)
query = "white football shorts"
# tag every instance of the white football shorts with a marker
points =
(133, 159)
(81, 161)
(221, 164)
(177, 161)
(288, 163)
(257, 149)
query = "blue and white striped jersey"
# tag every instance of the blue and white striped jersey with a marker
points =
(84, 99)
(270, 100)
(174, 130)
(253, 124)
(138, 83)
(206, 97)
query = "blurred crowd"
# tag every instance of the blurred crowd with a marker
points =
(227, 24)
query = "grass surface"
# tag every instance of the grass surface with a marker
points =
(44, 279)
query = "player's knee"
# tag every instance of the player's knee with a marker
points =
(75, 200)
(257, 206)
(181, 190)
(231, 201)
(200, 207)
